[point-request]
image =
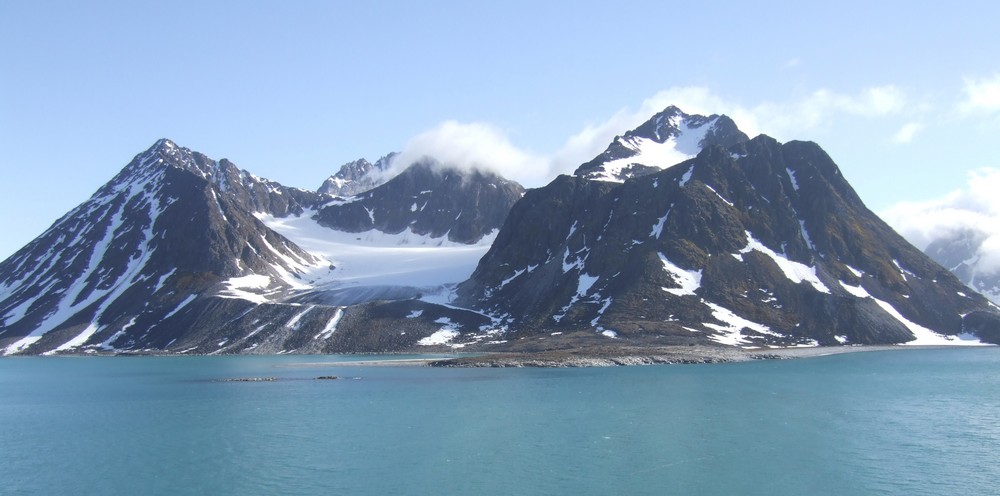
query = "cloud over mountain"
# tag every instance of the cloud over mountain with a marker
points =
(479, 145)
(474, 145)
(973, 209)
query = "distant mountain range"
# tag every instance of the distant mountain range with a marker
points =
(961, 252)
(683, 231)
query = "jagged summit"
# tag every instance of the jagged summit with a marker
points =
(667, 138)
(357, 177)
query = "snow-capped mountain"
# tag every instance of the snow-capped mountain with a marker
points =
(180, 253)
(962, 253)
(357, 177)
(668, 138)
(431, 200)
(758, 243)
(748, 243)
(171, 226)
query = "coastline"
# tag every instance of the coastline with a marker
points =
(593, 356)
(589, 357)
(611, 357)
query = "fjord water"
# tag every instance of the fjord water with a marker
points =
(898, 422)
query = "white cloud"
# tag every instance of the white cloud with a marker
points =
(475, 146)
(981, 95)
(783, 119)
(479, 145)
(907, 132)
(974, 208)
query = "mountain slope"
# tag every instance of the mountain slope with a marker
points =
(428, 199)
(667, 138)
(143, 247)
(180, 253)
(760, 243)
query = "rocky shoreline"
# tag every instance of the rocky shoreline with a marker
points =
(610, 357)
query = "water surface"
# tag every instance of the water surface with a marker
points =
(900, 422)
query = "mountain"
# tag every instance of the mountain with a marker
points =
(962, 253)
(172, 224)
(428, 199)
(180, 253)
(357, 177)
(667, 138)
(748, 243)
(757, 243)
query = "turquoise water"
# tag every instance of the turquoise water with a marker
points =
(899, 422)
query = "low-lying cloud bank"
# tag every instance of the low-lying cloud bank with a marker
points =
(973, 210)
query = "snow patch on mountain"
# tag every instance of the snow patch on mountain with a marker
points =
(794, 271)
(731, 332)
(439, 337)
(237, 287)
(688, 280)
(922, 335)
(647, 152)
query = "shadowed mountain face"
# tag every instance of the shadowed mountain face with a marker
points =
(758, 243)
(428, 200)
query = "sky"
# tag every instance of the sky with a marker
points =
(904, 96)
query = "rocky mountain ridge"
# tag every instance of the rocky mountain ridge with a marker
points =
(738, 242)
(172, 255)
(357, 177)
(760, 243)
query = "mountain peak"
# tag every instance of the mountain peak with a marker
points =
(356, 177)
(667, 138)
(164, 144)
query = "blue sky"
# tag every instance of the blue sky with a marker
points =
(904, 96)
